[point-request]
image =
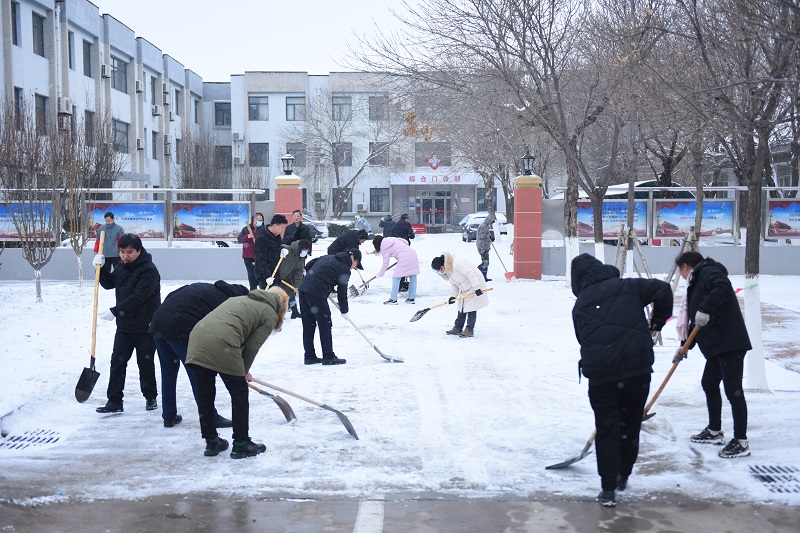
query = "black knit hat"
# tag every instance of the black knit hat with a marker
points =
(437, 262)
(356, 253)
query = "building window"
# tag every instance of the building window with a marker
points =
(342, 107)
(88, 127)
(481, 197)
(298, 150)
(87, 58)
(433, 155)
(18, 108)
(119, 74)
(222, 113)
(295, 108)
(259, 154)
(196, 111)
(258, 108)
(178, 102)
(378, 108)
(346, 204)
(223, 157)
(15, 23)
(178, 151)
(120, 132)
(379, 154)
(342, 154)
(71, 44)
(154, 147)
(153, 87)
(38, 34)
(40, 111)
(379, 200)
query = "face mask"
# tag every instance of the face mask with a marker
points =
(441, 273)
(259, 223)
(303, 253)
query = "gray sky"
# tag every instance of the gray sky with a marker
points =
(216, 39)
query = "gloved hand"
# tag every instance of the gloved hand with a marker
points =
(346, 316)
(99, 260)
(678, 356)
(106, 315)
(270, 281)
(284, 252)
(478, 292)
(701, 319)
(656, 325)
(366, 286)
(451, 300)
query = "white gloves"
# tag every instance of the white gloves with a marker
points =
(106, 315)
(270, 281)
(701, 319)
(99, 260)
(346, 316)
(284, 252)
(678, 356)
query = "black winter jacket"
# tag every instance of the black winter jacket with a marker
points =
(610, 322)
(183, 308)
(710, 291)
(344, 242)
(268, 251)
(295, 233)
(387, 223)
(402, 228)
(137, 287)
(325, 273)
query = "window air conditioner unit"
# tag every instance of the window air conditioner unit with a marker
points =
(238, 160)
(166, 99)
(165, 87)
(156, 110)
(139, 86)
(171, 116)
(237, 136)
(64, 123)
(360, 207)
(167, 139)
(139, 143)
(105, 72)
(167, 149)
(64, 105)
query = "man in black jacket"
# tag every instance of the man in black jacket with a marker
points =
(711, 303)
(387, 223)
(172, 322)
(268, 250)
(137, 287)
(349, 240)
(322, 275)
(296, 230)
(617, 357)
(402, 228)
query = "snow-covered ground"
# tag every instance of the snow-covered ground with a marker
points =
(478, 417)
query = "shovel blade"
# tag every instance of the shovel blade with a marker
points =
(419, 314)
(509, 276)
(85, 384)
(648, 416)
(354, 292)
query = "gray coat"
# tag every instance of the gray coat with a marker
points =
(483, 239)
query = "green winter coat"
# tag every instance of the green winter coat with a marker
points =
(229, 337)
(292, 269)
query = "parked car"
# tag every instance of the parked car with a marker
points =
(470, 223)
(319, 228)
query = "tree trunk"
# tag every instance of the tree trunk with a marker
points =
(38, 276)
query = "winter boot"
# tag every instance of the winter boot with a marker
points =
(466, 333)
(485, 273)
(295, 312)
(622, 482)
(333, 360)
(151, 404)
(173, 421)
(455, 330)
(708, 436)
(214, 446)
(735, 448)
(607, 498)
(110, 407)
(246, 448)
(311, 360)
(222, 422)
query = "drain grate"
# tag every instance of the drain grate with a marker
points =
(37, 437)
(781, 479)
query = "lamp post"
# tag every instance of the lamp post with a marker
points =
(287, 162)
(527, 163)
(528, 221)
(288, 194)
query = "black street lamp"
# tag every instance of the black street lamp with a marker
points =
(287, 162)
(527, 163)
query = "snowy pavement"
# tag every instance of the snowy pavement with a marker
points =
(461, 418)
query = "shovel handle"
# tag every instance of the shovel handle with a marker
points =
(96, 293)
(460, 298)
(288, 285)
(682, 351)
(276, 267)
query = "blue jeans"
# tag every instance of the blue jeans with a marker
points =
(171, 355)
(412, 287)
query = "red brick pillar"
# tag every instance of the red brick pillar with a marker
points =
(288, 196)
(528, 227)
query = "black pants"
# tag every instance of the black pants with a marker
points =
(124, 344)
(206, 394)
(618, 408)
(469, 317)
(250, 265)
(728, 369)
(315, 311)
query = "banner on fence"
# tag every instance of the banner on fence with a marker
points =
(783, 218)
(143, 219)
(209, 221)
(21, 211)
(615, 214)
(674, 218)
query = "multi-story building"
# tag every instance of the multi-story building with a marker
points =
(76, 66)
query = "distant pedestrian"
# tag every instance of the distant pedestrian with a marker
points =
(483, 240)
(348, 240)
(617, 358)
(402, 228)
(362, 223)
(297, 230)
(171, 325)
(248, 239)
(292, 270)
(268, 250)
(226, 343)
(113, 233)
(711, 303)
(407, 265)
(137, 289)
(464, 278)
(387, 223)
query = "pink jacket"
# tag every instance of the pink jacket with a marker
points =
(397, 248)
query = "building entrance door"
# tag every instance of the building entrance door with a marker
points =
(434, 208)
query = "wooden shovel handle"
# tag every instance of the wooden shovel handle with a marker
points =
(96, 292)
(682, 351)
(460, 298)
(276, 267)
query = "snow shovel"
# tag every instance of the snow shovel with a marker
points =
(509, 275)
(390, 358)
(286, 409)
(89, 375)
(344, 419)
(584, 452)
(355, 292)
(682, 351)
(421, 313)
